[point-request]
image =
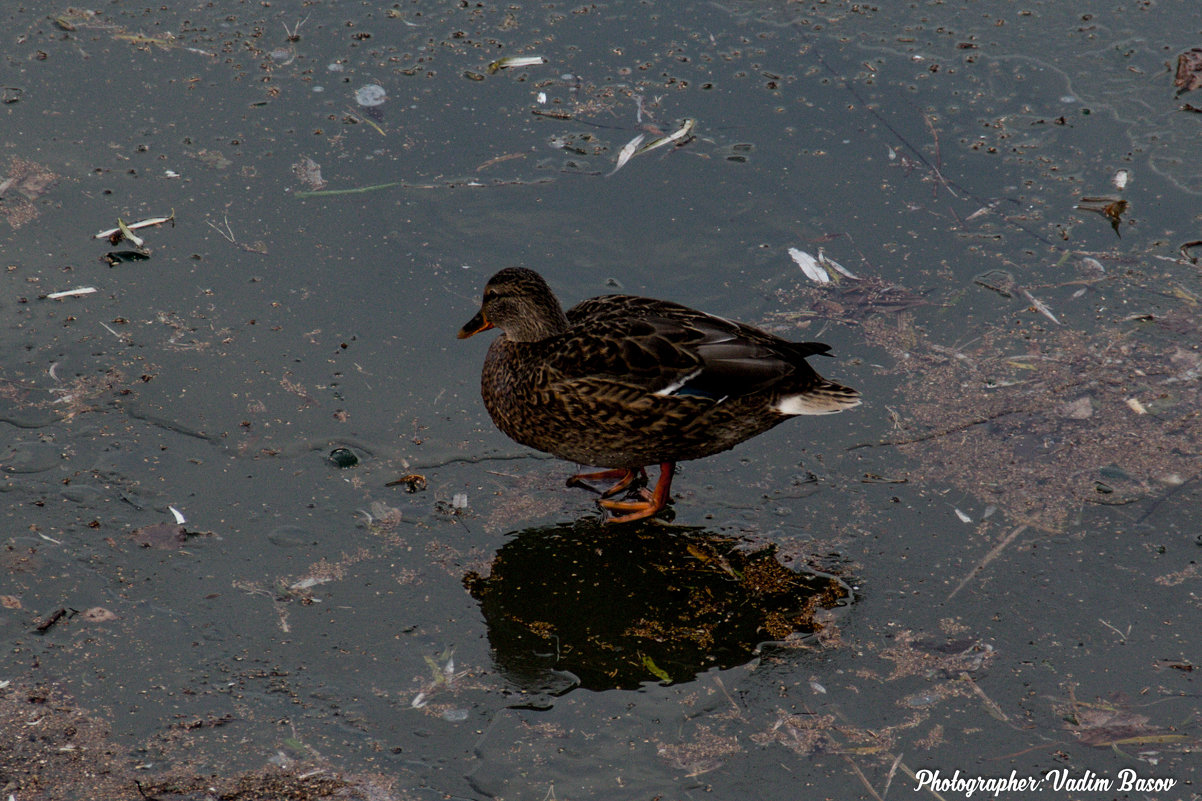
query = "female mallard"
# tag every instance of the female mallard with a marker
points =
(624, 382)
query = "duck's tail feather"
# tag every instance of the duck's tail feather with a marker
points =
(825, 397)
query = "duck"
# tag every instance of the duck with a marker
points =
(624, 383)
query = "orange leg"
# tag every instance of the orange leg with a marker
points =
(652, 502)
(625, 479)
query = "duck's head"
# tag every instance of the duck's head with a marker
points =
(519, 302)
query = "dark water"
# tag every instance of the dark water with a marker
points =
(1015, 503)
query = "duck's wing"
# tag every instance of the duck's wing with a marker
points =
(662, 348)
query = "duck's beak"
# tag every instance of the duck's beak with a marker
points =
(475, 325)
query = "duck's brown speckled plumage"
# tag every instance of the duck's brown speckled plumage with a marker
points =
(624, 382)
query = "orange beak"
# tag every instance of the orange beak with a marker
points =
(475, 326)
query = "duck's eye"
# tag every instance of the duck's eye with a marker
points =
(490, 294)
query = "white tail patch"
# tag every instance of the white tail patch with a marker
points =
(823, 400)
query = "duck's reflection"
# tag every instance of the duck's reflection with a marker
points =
(616, 607)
